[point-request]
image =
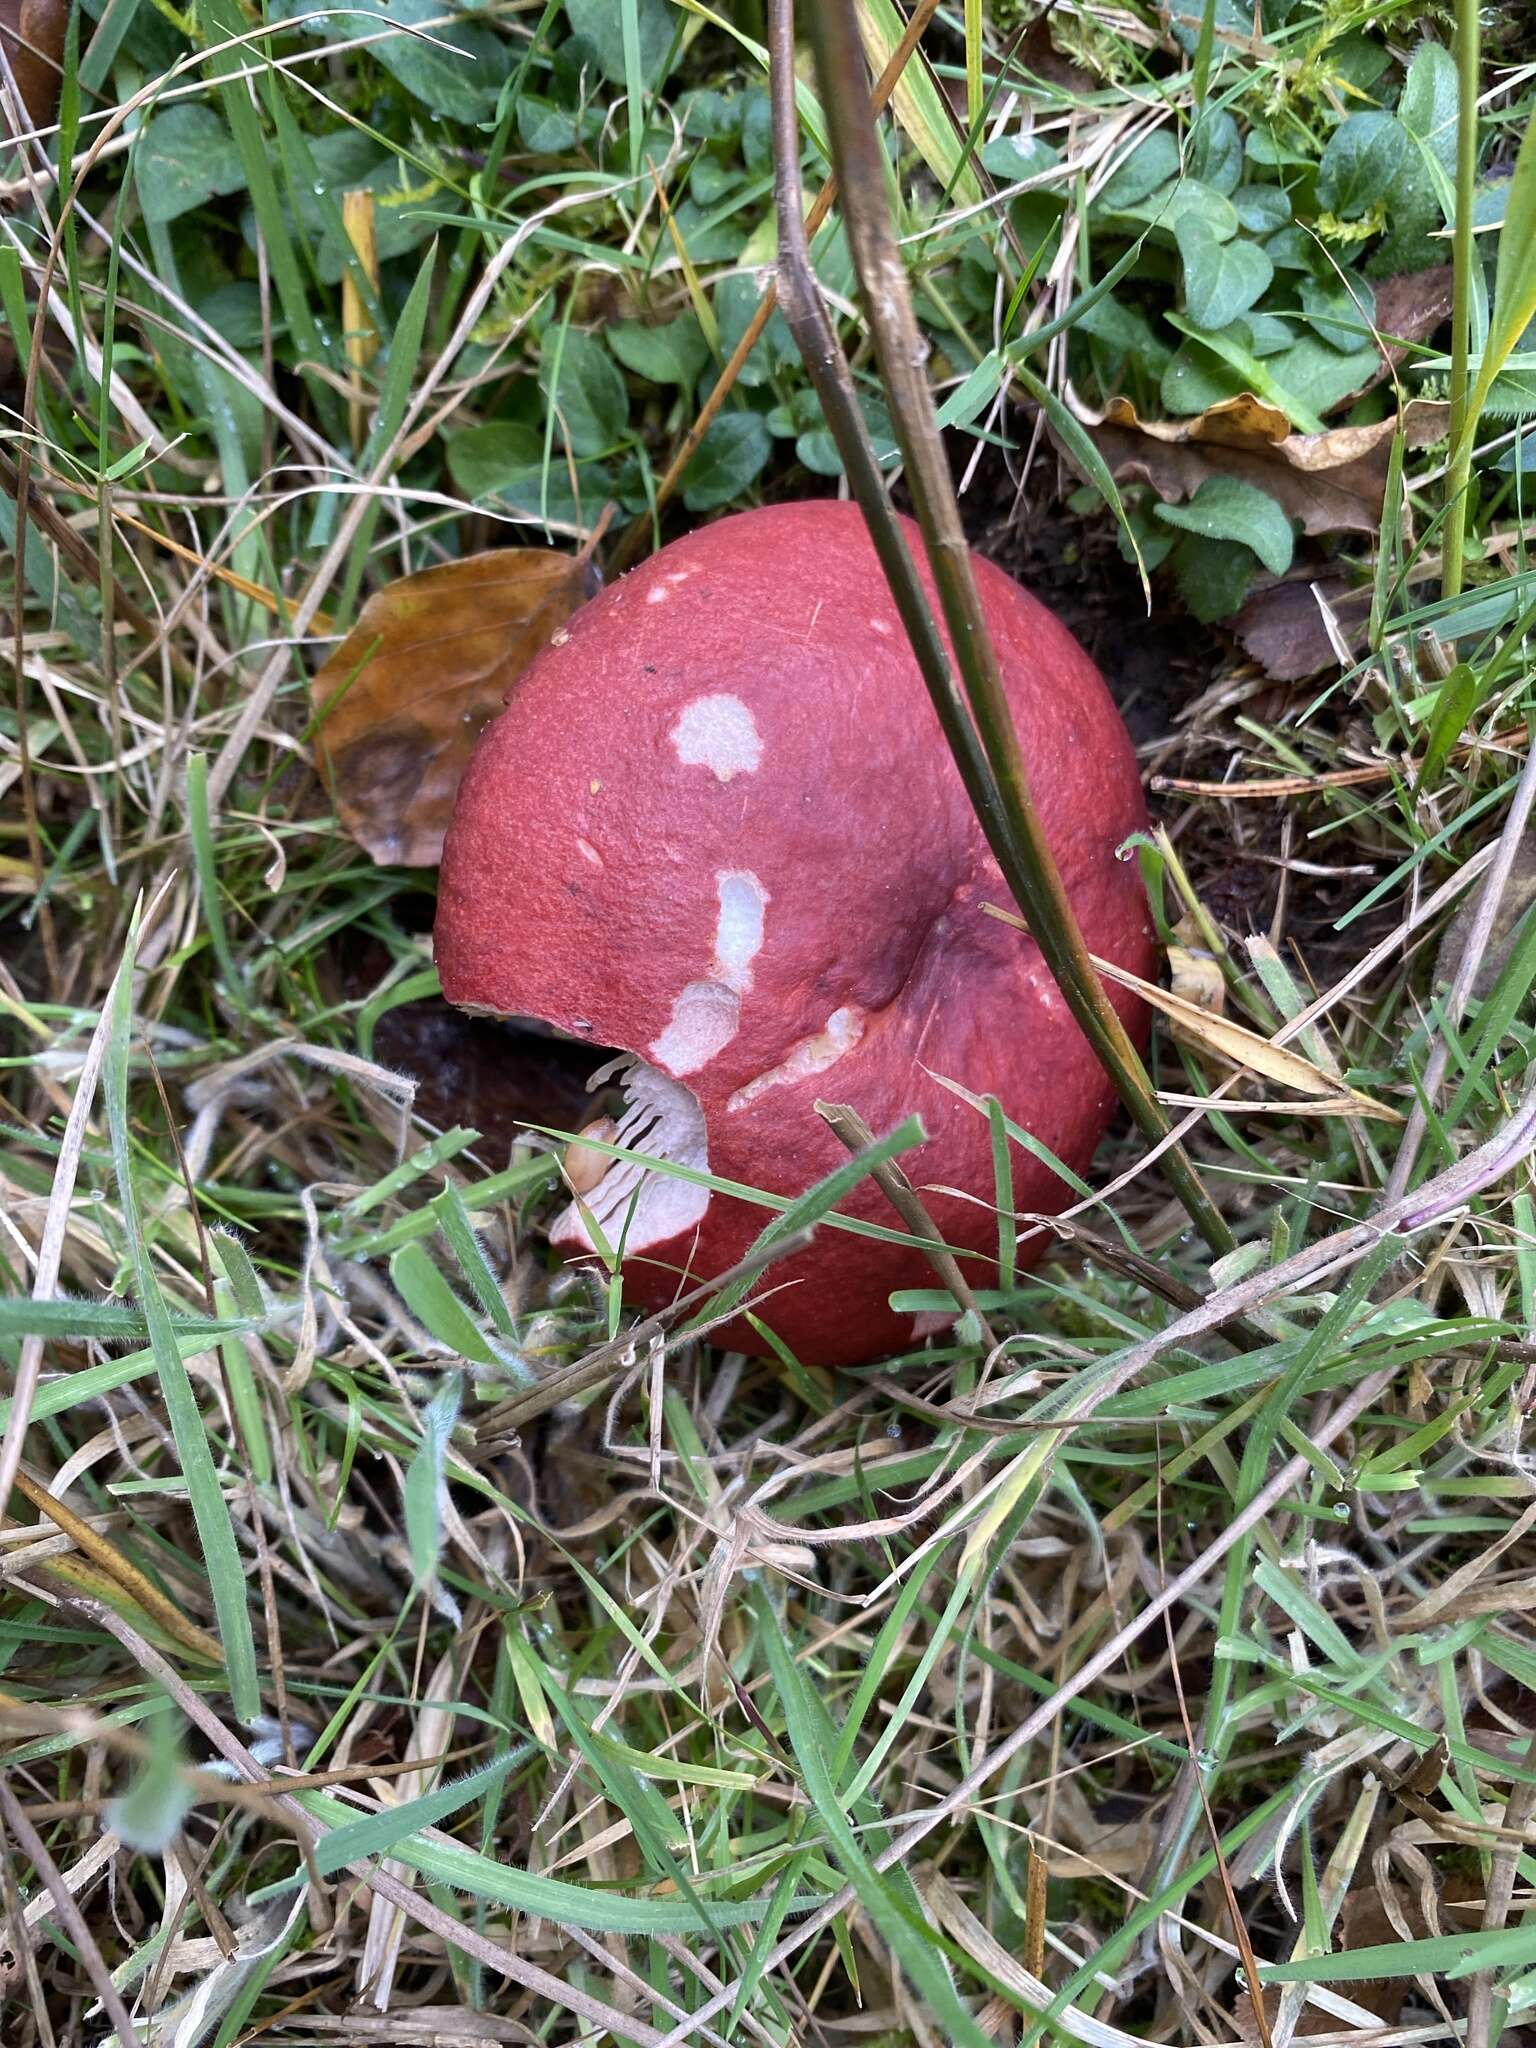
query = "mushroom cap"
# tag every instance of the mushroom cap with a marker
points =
(718, 826)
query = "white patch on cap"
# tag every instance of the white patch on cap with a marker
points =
(703, 1022)
(657, 594)
(842, 1031)
(739, 929)
(879, 626)
(589, 852)
(718, 733)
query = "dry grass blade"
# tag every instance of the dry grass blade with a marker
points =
(401, 702)
(1195, 1025)
(70, 1917)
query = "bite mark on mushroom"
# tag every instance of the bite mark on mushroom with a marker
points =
(624, 1197)
(843, 1030)
(718, 732)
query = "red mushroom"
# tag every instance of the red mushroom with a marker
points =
(717, 826)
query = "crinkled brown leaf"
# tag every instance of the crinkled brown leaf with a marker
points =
(1331, 483)
(402, 700)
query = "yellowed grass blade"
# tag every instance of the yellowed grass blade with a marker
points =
(1239, 1046)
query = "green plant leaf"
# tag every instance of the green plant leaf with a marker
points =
(736, 300)
(919, 1956)
(185, 157)
(221, 1558)
(1514, 283)
(672, 353)
(148, 1816)
(1427, 104)
(1340, 311)
(1226, 508)
(1216, 151)
(1364, 156)
(1213, 576)
(435, 1305)
(583, 384)
(546, 1898)
(732, 454)
(1261, 209)
(1221, 279)
(424, 1481)
(918, 102)
(1455, 701)
(1150, 165)
(1186, 199)
(601, 23)
(454, 67)
(544, 127)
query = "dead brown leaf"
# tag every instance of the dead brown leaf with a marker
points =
(1331, 483)
(1411, 305)
(401, 702)
(1281, 624)
(33, 34)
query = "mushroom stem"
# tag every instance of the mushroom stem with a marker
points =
(985, 743)
(582, 1163)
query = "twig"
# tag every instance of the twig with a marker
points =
(850, 1129)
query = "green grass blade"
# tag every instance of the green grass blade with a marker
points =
(210, 1512)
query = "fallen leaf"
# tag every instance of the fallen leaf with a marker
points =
(1331, 483)
(401, 702)
(1281, 624)
(1194, 973)
(1411, 305)
(33, 34)
(1035, 50)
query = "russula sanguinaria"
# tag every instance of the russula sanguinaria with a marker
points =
(718, 827)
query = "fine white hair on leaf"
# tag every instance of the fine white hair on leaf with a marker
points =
(718, 732)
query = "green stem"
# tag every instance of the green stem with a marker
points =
(1459, 476)
(985, 744)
